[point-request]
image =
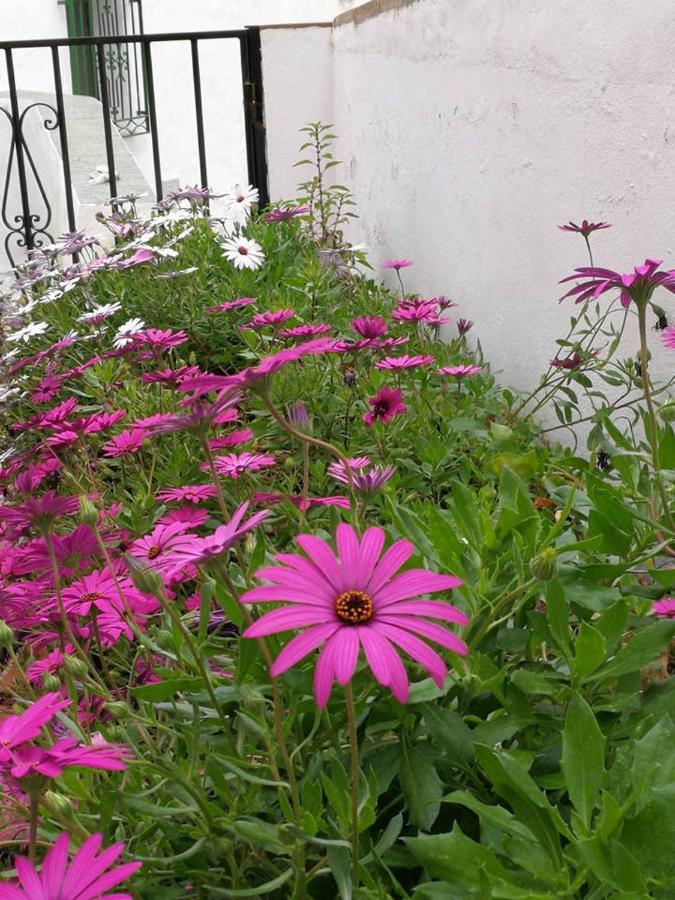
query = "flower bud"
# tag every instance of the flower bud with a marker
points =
(543, 566)
(88, 512)
(6, 635)
(299, 417)
(75, 666)
(144, 578)
(667, 412)
(51, 682)
(60, 804)
(118, 709)
(164, 639)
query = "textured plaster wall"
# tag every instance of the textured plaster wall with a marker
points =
(298, 77)
(471, 128)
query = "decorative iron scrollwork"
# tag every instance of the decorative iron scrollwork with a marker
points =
(26, 230)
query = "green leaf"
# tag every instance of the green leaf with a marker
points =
(163, 690)
(449, 731)
(640, 650)
(340, 865)
(557, 615)
(266, 888)
(590, 651)
(422, 789)
(583, 758)
(488, 814)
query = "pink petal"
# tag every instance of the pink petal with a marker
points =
(428, 630)
(287, 618)
(30, 880)
(54, 865)
(98, 888)
(322, 556)
(384, 662)
(300, 646)
(413, 583)
(348, 550)
(346, 653)
(435, 608)
(399, 553)
(323, 674)
(416, 649)
(371, 547)
(271, 593)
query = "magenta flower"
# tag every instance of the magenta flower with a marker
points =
(386, 404)
(233, 439)
(275, 318)
(426, 311)
(195, 550)
(252, 376)
(189, 493)
(231, 304)
(397, 264)
(85, 878)
(464, 325)
(16, 730)
(304, 503)
(370, 327)
(235, 465)
(200, 417)
(158, 340)
(49, 664)
(638, 285)
(573, 361)
(128, 441)
(304, 331)
(665, 608)
(30, 759)
(156, 549)
(459, 371)
(143, 254)
(404, 362)
(281, 215)
(39, 512)
(585, 228)
(354, 601)
(96, 589)
(364, 481)
(170, 377)
(188, 516)
(668, 337)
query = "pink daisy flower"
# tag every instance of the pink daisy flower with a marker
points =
(188, 516)
(39, 512)
(364, 481)
(304, 331)
(235, 465)
(585, 228)
(424, 312)
(157, 339)
(128, 441)
(282, 215)
(404, 362)
(49, 664)
(96, 589)
(275, 318)
(386, 404)
(233, 439)
(88, 876)
(665, 608)
(18, 729)
(668, 337)
(464, 325)
(194, 550)
(355, 600)
(156, 548)
(231, 304)
(638, 285)
(188, 493)
(397, 264)
(370, 327)
(170, 377)
(459, 371)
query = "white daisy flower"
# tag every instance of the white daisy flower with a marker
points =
(122, 338)
(243, 253)
(26, 333)
(100, 312)
(239, 201)
(6, 392)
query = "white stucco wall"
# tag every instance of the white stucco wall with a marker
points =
(298, 79)
(23, 20)
(471, 129)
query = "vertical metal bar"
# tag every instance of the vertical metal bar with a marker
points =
(152, 113)
(107, 124)
(63, 137)
(254, 112)
(197, 83)
(18, 143)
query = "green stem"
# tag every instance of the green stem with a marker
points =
(34, 805)
(653, 437)
(354, 753)
(489, 622)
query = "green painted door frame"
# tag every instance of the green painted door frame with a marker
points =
(79, 15)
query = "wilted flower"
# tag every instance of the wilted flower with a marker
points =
(585, 228)
(281, 215)
(464, 325)
(354, 601)
(366, 480)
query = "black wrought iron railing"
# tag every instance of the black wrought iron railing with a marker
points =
(28, 227)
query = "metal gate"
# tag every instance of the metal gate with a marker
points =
(27, 227)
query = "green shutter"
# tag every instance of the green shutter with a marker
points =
(82, 59)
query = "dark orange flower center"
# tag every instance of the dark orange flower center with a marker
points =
(154, 552)
(92, 597)
(354, 608)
